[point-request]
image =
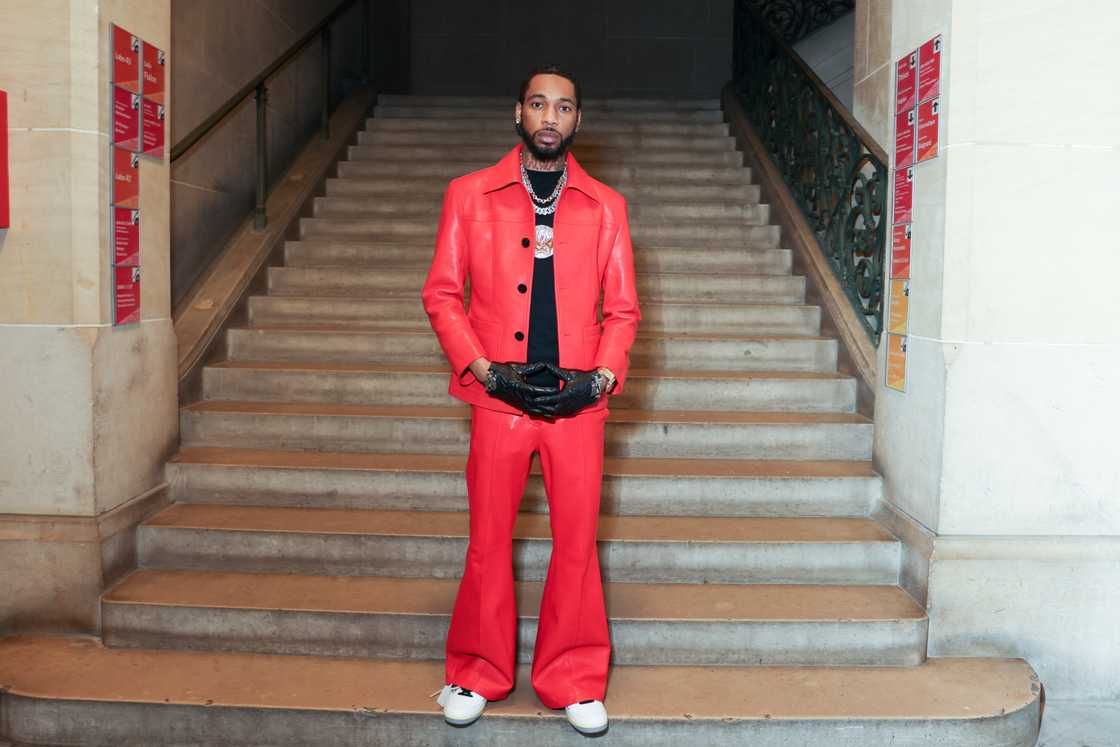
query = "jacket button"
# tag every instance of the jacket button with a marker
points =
(525, 243)
(521, 287)
(519, 336)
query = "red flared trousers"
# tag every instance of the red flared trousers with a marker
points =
(572, 649)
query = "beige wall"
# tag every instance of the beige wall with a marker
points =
(1003, 443)
(89, 410)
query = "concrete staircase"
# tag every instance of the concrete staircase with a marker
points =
(304, 577)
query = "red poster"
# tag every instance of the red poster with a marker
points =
(929, 69)
(126, 295)
(153, 73)
(906, 82)
(126, 60)
(900, 251)
(126, 119)
(126, 236)
(5, 210)
(152, 131)
(929, 114)
(903, 194)
(126, 178)
(904, 139)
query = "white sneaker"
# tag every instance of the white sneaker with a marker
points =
(461, 707)
(589, 717)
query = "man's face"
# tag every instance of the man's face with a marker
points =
(549, 117)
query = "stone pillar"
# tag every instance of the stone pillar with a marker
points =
(1000, 460)
(89, 410)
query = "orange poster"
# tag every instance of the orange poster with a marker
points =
(896, 362)
(900, 307)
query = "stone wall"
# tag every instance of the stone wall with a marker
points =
(1001, 449)
(615, 48)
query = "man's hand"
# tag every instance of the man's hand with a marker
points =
(580, 390)
(507, 383)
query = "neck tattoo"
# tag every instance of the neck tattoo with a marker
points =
(544, 206)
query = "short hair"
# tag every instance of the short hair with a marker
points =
(549, 70)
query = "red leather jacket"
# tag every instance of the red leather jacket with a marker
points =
(486, 232)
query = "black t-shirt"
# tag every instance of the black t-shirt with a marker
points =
(544, 344)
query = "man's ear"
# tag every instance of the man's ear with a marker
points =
(579, 117)
(517, 111)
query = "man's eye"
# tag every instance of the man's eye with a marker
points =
(566, 108)
(536, 105)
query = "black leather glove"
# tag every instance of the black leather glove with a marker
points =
(580, 390)
(507, 383)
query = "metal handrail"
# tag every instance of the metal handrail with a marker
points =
(834, 168)
(257, 87)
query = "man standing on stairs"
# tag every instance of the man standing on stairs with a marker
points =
(540, 241)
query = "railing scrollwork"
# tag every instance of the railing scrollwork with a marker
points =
(835, 171)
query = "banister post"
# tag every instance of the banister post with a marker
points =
(260, 216)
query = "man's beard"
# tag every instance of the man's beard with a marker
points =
(544, 154)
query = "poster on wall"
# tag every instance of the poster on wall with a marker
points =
(929, 115)
(152, 128)
(126, 295)
(126, 236)
(154, 79)
(900, 251)
(906, 83)
(904, 137)
(126, 119)
(896, 362)
(929, 69)
(126, 178)
(898, 319)
(126, 59)
(5, 210)
(903, 194)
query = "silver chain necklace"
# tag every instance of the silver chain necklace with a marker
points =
(544, 206)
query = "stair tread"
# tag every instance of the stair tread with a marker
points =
(457, 412)
(642, 334)
(421, 368)
(416, 299)
(447, 524)
(456, 463)
(80, 668)
(431, 596)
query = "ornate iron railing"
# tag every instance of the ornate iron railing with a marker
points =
(836, 172)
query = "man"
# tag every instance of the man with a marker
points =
(539, 240)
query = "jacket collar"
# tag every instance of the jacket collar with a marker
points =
(508, 171)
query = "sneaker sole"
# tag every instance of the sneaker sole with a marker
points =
(591, 733)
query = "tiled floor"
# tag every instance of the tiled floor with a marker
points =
(1080, 724)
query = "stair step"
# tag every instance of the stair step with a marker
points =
(590, 139)
(504, 113)
(683, 232)
(437, 152)
(652, 287)
(74, 690)
(432, 188)
(605, 171)
(502, 124)
(650, 350)
(648, 212)
(321, 426)
(697, 318)
(723, 259)
(593, 105)
(430, 544)
(385, 617)
(415, 384)
(436, 482)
